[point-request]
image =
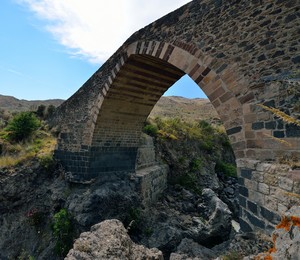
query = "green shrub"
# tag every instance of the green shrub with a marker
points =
(151, 130)
(133, 220)
(47, 162)
(41, 111)
(50, 111)
(195, 164)
(207, 144)
(227, 168)
(190, 182)
(225, 141)
(62, 232)
(186, 130)
(24, 255)
(205, 126)
(22, 126)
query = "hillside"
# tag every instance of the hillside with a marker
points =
(184, 108)
(14, 104)
(167, 107)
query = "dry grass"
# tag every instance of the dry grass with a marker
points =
(41, 145)
(286, 118)
(278, 140)
(9, 160)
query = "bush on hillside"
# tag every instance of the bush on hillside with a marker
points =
(50, 111)
(63, 232)
(47, 162)
(22, 126)
(175, 128)
(151, 130)
(227, 169)
(41, 111)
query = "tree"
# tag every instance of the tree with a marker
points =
(50, 111)
(22, 126)
(41, 111)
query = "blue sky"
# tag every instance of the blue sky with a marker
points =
(49, 48)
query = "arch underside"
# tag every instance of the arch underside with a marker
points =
(139, 84)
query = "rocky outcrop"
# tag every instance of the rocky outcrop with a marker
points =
(92, 204)
(26, 207)
(216, 226)
(228, 193)
(109, 240)
(182, 214)
(188, 249)
(30, 196)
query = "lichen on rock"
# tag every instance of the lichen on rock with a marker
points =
(286, 237)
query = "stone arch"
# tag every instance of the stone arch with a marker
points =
(143, 73)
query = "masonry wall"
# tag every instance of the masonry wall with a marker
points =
(151, 183)
(151, 175)
(267, 190)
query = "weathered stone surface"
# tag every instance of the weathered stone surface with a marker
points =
(264, 188)
(247, 163)
(285, 183)
(188, 249)
(286, 238)
(269, 215)
(109, 240)
(219, 221)
(289, 248)
(152, 181)
(258, 176)
(95, 204)
(270, 179)
(146, 152)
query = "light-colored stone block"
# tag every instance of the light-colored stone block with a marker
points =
(271, 203)
(251, 184)
(264, 188)
(257, 197)
(257, 176)
(285, 183)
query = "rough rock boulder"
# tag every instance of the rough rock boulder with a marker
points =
(217, 224)
(188, 249)
(109, 240)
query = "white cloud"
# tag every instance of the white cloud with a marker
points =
(95, 29)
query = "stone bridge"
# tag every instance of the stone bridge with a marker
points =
(241, 53)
